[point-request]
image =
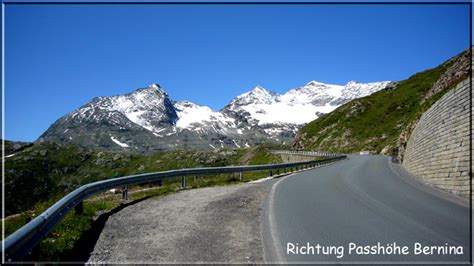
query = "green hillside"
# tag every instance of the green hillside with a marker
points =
(37, 175)
(382, 121)
(42, 173)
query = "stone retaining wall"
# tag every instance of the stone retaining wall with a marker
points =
(293, 158)
(439, 147)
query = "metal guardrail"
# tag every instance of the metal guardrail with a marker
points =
(305, 153)
(22, 241)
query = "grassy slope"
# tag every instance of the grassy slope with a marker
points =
(39, 175)
(45, 172)
(374, 122)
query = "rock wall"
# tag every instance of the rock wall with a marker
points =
(438, 150)
(292, 158)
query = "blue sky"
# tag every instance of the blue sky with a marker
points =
(58, 57)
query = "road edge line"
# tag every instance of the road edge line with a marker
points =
(269, 230)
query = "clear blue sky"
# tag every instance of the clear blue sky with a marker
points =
(58, 57)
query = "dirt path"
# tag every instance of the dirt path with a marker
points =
(217, 224)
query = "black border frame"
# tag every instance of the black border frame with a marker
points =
(285, 2)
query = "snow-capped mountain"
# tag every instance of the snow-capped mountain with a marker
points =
(196, 117)
(149, 108)
(300, 105)
(147, 120)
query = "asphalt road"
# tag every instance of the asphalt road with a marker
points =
(363, 200)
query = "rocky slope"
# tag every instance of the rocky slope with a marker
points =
(12, 147)
(147, 120)
(383, 121)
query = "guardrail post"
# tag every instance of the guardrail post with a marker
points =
(125, 193)
(271, 172)
(79, 208)
(241, 176)
(183, 182)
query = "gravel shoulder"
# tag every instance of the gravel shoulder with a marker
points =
(215, 224)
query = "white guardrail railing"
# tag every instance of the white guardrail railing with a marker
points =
(306, 153)
(17, 245)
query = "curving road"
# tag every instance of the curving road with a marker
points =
(363, 200)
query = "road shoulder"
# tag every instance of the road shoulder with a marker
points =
(419, 184)
(208, 225)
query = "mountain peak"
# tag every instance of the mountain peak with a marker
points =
(258, 92)
(154, 86)
(314, 83)
(258, 95)
(259, 89)
(152, 89)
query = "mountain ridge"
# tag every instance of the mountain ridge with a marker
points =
(382, 122)
(147, 119)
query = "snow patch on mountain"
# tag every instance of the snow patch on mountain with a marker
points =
(353, 90)
(300, 105)
(121, 144)
(194, 115)
(146, 107)
(258, 95)
(311, 92)
(282, 112)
